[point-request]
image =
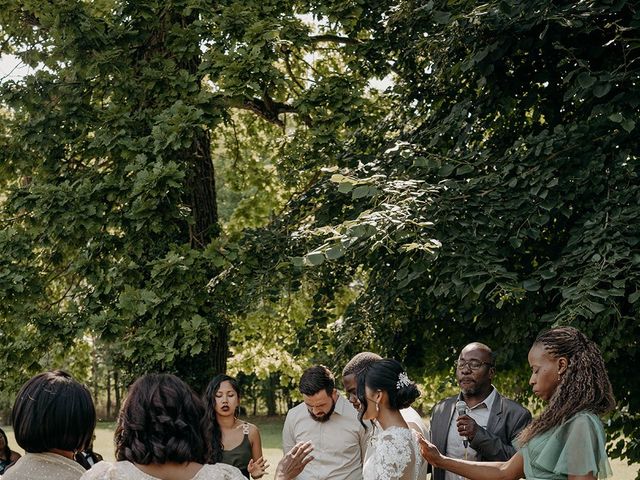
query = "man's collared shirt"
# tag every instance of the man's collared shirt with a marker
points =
(339, 444)
(455, 445)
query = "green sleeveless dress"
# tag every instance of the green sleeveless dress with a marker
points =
(576, 447)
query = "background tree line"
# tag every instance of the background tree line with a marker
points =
(186, 180)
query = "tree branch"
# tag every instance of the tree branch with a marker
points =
(267, 109)
(334, 39)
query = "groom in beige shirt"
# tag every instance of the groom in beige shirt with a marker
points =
(327, 420)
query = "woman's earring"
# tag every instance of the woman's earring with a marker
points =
(377, 407)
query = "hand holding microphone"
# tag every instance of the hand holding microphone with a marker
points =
(466, 425)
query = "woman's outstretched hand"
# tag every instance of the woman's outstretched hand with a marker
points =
(294, 461)
(258, 468)
(429, 451)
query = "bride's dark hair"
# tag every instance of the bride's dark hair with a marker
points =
(389, 376)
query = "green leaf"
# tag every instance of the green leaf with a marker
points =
(602, 89)
(479, 287)
(616, 117)
(297, 261)
(547, 274)
(441, 17)
(335, 252)
(628, 124)
(446, 170)
(360, 192)
(586, 80)
(420, 162)
(345, 187)
(464, 169)
(531, 285)
(596, 307)
(314, 258)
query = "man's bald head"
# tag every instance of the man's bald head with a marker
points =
(481, 347)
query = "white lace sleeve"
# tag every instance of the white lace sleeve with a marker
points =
(395, 456)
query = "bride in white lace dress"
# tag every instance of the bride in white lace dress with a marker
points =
(394, 453)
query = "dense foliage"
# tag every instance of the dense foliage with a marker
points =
(110, 208)
(491, 190)
(498, 197)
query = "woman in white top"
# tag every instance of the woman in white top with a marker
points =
(383, 390)
(159, 435)
(53, 416)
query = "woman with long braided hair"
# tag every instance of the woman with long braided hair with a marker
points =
(567, 440)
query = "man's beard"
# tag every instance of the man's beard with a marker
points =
(326, 416)
(470, 391)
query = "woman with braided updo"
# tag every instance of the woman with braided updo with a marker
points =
(567, 440)
(159, 435)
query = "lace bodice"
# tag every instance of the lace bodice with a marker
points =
(394, 454)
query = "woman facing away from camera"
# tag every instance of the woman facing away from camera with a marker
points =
(159, 435)
(53, 417)
(383, 390)
(567, 440)
(230, 440)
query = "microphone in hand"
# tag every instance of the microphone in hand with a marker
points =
(461, 408)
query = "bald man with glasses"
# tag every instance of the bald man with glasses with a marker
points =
(484, 427)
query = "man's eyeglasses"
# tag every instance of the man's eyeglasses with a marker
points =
(472, 364)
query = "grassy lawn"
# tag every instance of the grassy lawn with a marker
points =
(271, 431)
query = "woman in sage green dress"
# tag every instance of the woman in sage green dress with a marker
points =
(567, 440)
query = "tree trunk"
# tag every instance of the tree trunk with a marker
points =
(271, 398)
(201, 192)
(108, 394)
(116, 385)
(201, 188)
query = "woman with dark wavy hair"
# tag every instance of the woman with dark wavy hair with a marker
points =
(159, 435)
(567, 440)
(229, 439)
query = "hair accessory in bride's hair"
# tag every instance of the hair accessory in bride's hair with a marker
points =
(403, 380)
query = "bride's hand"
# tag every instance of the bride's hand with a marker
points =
(429, 451)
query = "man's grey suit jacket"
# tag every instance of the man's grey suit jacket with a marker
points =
(494, 443)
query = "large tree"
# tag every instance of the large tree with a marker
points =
(109, 200)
